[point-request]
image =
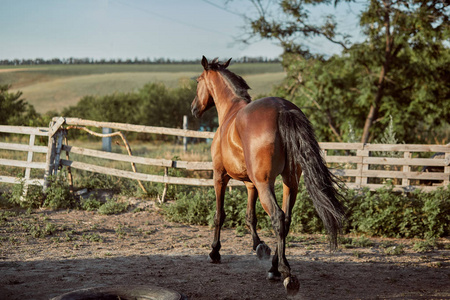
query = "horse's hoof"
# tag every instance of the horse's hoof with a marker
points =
(292, 285)
(263, 251)
(214, 257)
(274, 276)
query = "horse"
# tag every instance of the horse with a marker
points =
(256, 141)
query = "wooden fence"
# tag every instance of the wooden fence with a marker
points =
(359, 165)
(30, 148)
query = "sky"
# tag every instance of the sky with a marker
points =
(112, 29)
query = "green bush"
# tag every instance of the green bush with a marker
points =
(113, 207)
(91, 180)
(199, 207)
(33, 198)
(90, 204)
(381, 213)
(58, 193)
(394, 214)
(193, 207)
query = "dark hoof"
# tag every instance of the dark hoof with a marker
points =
(214, 257)
(263, 251)
(292, 285)
(274, 276)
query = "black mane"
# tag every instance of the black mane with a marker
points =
(237, 82)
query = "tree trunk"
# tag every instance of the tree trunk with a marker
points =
(374, 108)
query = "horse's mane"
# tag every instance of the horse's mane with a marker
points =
(236, 82)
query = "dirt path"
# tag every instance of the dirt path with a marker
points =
(86, 249)
(19, 70)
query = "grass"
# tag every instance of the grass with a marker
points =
(54, 87)
(63, 92)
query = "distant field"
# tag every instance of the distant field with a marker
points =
(54, 87)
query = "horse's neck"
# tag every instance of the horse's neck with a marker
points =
(227, 102)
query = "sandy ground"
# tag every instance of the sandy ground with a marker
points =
(86, 250)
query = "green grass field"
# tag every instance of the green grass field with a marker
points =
(53, 87)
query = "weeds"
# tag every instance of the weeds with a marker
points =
(92, 237)
(425, 246)
(33, 198)
(37, 231)
(112, 207)
(361, 242)
(90, 204)
(395, 250)
(120, 231)
(58, 194)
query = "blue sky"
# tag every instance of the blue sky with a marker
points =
(138, 28)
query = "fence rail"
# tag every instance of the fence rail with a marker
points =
(360, 165)
(31, 148)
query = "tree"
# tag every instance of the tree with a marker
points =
(153, 105)
(16, 111)
(401, 69)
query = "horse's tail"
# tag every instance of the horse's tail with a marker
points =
(302, 149)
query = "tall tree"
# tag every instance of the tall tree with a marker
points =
(400, 69)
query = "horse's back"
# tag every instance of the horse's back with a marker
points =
(260, 117)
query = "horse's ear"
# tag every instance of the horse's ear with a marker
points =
(205, 63)
(225, 65)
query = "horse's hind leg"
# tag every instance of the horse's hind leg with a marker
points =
(280, 264)
(290, 190)
(220, 184)
(262, 250)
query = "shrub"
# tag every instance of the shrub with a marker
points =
(33, 198)
(381, 213)
(112, 207)
(58, 193)
(395, 250)
(393, 214)
(194, 207)
(90, 204)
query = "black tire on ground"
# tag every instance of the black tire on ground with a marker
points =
(123, 292)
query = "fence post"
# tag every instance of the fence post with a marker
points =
(361, 180)
(166, 186)
(58, 148)
(106, 141)
(28, 170)
(447, 168)
(406, 169)
(49, 157)
(51, 151)
(185, 127)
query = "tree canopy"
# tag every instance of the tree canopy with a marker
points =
(400, 70)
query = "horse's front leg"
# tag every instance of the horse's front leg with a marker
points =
(220, 184)
(262, 250)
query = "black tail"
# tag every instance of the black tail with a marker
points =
(302, 149)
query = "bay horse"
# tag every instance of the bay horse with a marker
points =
(255, 142)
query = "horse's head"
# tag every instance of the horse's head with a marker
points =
(204, 99)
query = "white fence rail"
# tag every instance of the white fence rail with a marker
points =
(30, 148)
